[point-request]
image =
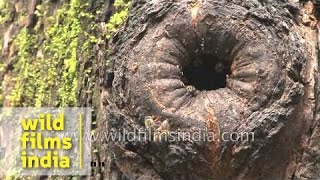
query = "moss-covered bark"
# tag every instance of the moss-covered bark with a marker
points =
(55, 53)
(44, 44)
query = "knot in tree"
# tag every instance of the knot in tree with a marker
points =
(228, 68)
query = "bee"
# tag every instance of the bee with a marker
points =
(192, 90)
(164, 127)
(162, 131)
(149, 122)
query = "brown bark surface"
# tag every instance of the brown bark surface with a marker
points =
(224, 66)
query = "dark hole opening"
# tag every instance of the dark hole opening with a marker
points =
(206, 73)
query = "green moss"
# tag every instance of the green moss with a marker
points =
(25, 81)
(48, 73)
(118, 18)
(1, 45)
(5, 13)
(61, 51)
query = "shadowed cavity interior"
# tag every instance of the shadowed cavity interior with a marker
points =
(206, 72)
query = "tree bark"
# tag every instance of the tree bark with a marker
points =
(271, 90)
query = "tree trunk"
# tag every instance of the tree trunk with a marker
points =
(222, 67)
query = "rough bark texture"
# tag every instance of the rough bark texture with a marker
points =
(39, 17)
(271, 91)
(164, 78)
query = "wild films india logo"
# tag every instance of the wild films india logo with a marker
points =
(35, 141)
